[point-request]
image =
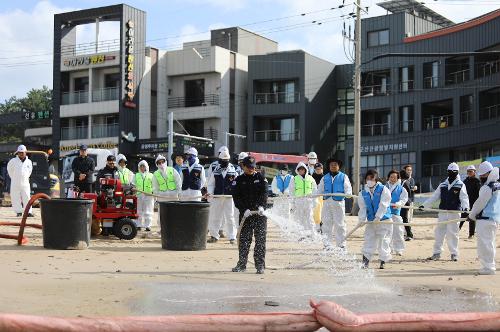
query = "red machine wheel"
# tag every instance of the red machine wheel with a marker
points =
(125, 229)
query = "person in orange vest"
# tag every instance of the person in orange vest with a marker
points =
(143, 181)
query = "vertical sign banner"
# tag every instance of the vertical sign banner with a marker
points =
(129, 65)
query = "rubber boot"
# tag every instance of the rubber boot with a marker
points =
(366, 262)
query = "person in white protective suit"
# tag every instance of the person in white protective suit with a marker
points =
(126, 175)
(213, 166)
(399, 197)
(333, 213)
(222, 209)
(192, 176)
(19, 169)
(374, 201)
(143, 182)
(239, 168)
(453, 196)
(281, 188)
(302, 185)
(486, 213)
(167, 183)
(312, 159)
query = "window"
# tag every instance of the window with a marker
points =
(378, 38)
(81, 84)
(466, 109)
(383, 163)
(194, 92)
(112, 80)
(431, 75)
(406, 79)
(406, 119)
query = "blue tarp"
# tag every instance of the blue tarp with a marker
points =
(495, 161)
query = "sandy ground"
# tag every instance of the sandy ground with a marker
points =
(115, 277)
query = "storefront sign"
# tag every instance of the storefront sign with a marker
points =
(104, 145)
(129, 65)
(384, 147)
(181, 144)
(88, 60)
(36, 115)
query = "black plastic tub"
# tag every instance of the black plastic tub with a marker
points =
(66, 223)
(184, 225)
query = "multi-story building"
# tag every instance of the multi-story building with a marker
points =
(292, 97)
(430, 90)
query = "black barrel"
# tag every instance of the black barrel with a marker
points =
(66, 223)
(184, 225)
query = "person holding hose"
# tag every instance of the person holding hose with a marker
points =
(453, 196)
(334, 182)
(374, 201)
(399, 197)
(143, 182)
(472, 185)
(302, 185)
(192, 176)
(486, 213)
(249, 192)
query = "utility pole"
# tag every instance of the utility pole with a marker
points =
(170, 138)
(357, 100)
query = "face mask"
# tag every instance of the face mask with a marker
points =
(119, 167)
(284, 172)
(452, 175)
(313, 161)
(223, 163)
(370, 183)
(162, 166)
(191, 159)
(483, 180)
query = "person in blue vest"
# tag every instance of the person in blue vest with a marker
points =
(193, 177)
(453, 195)
(281, 187)
(374, 206)
(222, 209)
(143, 181)
(486, 213)
(333, 213)
(399, 197)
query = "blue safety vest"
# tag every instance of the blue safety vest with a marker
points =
(192, 180)
(395, 197)
(283, 184)
(492, 209)
(223, 184)
(373, 203)
(450, 199)
(334, 186)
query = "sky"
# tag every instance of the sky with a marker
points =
(26, 28)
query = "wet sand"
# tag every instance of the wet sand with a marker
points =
(116, 277)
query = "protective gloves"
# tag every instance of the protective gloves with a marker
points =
(247, 214)
(261, 210)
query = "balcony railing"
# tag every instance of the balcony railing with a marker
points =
(105, 130)
(406, 126)
(375, 90)
(405, 86)
(458, 77)
(431, 82)
(438, 122)
(207, 100)
(276, 136)
(105, 94)
(276, 98)
(68, 133)
(488, 68)
(466, 117)
(211, 133)
(375, 129)
(77, 97)
(490, 112)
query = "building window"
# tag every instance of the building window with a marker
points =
(457, 70)
(466, 103)
(384, 163)
(376, 123)
(276, 92)
(437, 115)
(406, 77)
(378, 38)
(431, 75)
(406, 119)
(81, 84)
(376, 83)
(276, 129)
(194, 92)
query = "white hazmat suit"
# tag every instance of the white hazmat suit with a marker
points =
(145, 203)
(19, 172)
(194, 172)
(166, 195)
(303, 207)
(398, 232)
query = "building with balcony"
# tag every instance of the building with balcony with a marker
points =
(435, 103)
(292, 98)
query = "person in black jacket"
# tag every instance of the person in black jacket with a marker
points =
(407, 184)
(473, 185)
(83, 167)
(250, 194)
(109, 171)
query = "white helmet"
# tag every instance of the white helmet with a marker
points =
(192, 151)
(484, 168)
(223, 148)
(242, 156)
(453, 167)
(160, 157)
(224, 155)
(471, 168)
(120, 157)
(312, 155)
